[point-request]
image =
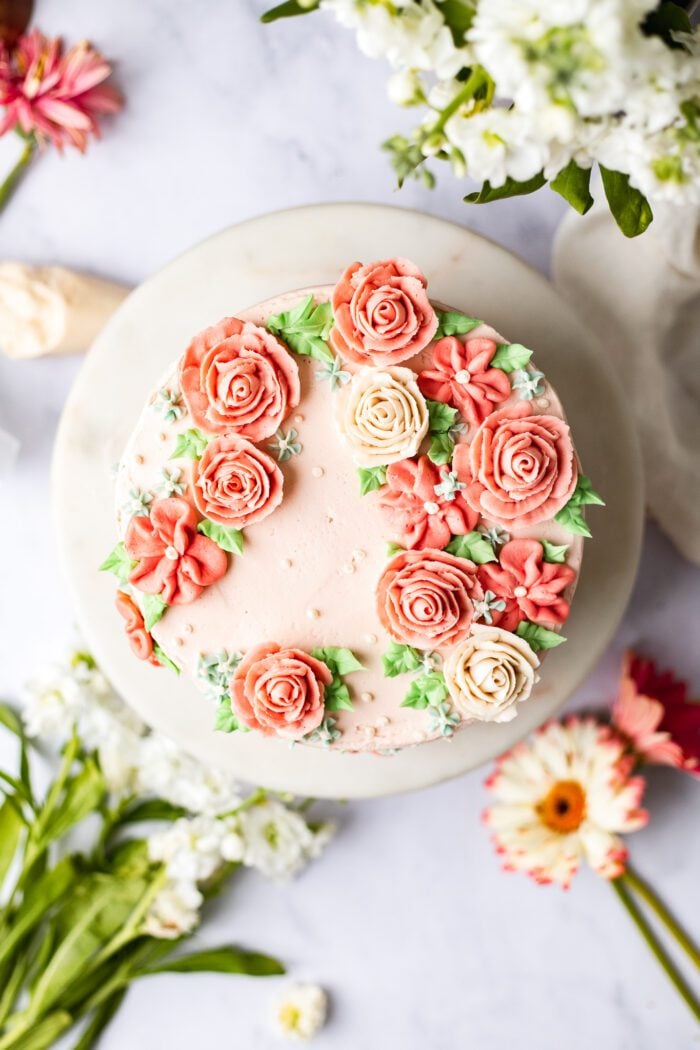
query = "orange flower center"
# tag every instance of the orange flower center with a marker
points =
(563, 807)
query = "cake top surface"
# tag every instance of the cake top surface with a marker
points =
(351, 516)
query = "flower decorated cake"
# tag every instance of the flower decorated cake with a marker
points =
(352, 516)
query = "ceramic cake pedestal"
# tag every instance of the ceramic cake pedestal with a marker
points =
(255, 261)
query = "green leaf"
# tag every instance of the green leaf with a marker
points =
(45, 1032)
(441, 449)
(225, 721)
(289, 9)
(400, 659)
(11, 825)
(393, 548)
(537, 637)
(337, 696)
(153, 607)
(229, 959)
(584, 493)
(338, 660)
(99, 1020)
(571, 518)
(451, 322)
(11, 720)
(630, 208)
(458, 15)
(151, 809)
(190, 444)
(573, 184)
(666, 18)
(473, 546)
(510, 188)
(39, 899)
(230, 540)
(83, 795)
(441, 416)
(164, 660)
(426, 690)
(551, 552)
(305, 329)
(511, 356)
(119, 563)
(371, 478)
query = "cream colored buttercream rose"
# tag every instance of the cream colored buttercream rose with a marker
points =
(383, 416)
(490, 673)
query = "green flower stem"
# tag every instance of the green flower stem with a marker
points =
(648, 895)
(254, 799)
(477, 76)
(132, 928)
(12, 181)
(621, 889)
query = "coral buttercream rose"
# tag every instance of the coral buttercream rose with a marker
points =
(382, 314)
(519, 469)
(490, 673)
(173, 560)
(139, 639)
(531, 587)
(234, 483)
(236, 377)
(425, 598)
(462, 376)
(280, 691)
(383, 416)
(422, 509)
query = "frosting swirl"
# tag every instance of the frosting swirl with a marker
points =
(383, 416)
(382, 313)
(279, 691)
(490, 673)
(420, 510)
(461, 376)
(424, 598)
(237, 377)
(519, 469)
(234, 483)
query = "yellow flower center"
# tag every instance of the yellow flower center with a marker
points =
(563, 807)
(289, 1015)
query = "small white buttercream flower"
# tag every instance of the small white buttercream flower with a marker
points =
(490, 673)
(301, 1011)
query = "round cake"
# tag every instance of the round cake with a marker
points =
(353, 516)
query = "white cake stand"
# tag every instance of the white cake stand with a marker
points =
(254, 261)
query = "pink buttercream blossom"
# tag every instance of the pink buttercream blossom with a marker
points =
(56, 96)
(531, 587)
(138, 637)
(234, 483)
(417, 515)
(280, 691)
(462, 376)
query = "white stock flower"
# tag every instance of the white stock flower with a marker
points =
(170, 773)
(193, 849)
(490, 673)
(665, 166)
(174, 912)
(405, 88)
(301, 1011)
(382, 415)
(277, 841)
(498, 144)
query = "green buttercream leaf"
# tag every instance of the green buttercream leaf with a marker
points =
(452, 323)
(119, 563)
(400, 659)
(510, 357)
(371, 478)
(225, 721)
(441, 416)
(230, 540)
(585, 494)
(510, 188)
(337, 696)
(573, 184)
(190, 444)
(441, 449)
(551, 552)
(571, 516)
(473, 546)
(289, 9)
(305, 329)
(392, 549)
(537, 637)
(164, 660)
(338, 660)
(630, 208)
(153, 607)
(427, 690)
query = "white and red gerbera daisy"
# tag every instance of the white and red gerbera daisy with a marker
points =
(565, 797)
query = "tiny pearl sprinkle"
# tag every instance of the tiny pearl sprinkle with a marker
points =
(348, 568)
(313, 614)
(287, 563)
(139, 458)
(369, 730)
(163, 437)
(382, 721)
(171, 554)
(367, 698)
(520, 592)
(188, 628)
(317, 472)
(430, 507)
(298, 419)
(359, 555)
(463, 376)
(543, 402)
(179, 641)
(372, 639)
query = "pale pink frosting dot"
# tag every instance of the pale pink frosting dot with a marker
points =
(234, 483)
(236, 377)
(520, 469)
(280, 691)
(425, 598)
(382, 314)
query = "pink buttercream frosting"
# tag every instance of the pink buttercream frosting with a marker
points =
(531, 587)
(280, 691)
(519, 469)
(382, 313)
(236, 377)
(461, 376)
(425, 598)
(173, 560)
(139, 639)
(234, 483)
(416, 515)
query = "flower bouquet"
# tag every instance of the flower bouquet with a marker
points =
(516, 94)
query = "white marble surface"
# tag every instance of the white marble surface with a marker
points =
(407, 920)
